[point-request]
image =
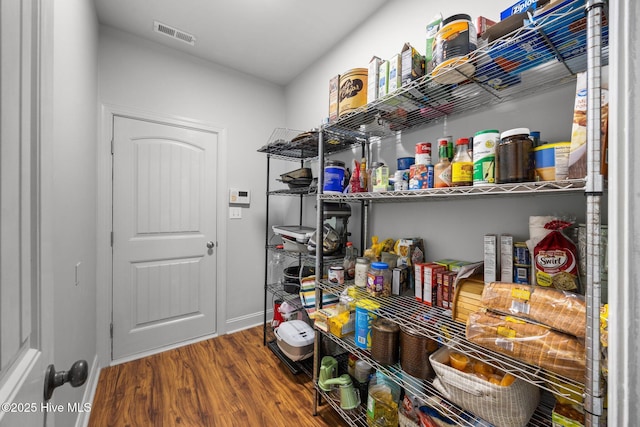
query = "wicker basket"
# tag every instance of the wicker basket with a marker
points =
(404, 421)
(502, 406)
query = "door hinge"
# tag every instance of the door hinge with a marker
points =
(111, 239)
(111, 330)
(111, 146)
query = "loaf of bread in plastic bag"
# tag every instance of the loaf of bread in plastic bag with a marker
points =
(532, 343)
(561, 310)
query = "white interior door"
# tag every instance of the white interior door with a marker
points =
(164, 235)
(25, 335)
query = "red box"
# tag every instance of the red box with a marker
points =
(446, 288)
(430, 282)
(418, 277)
(483, 24)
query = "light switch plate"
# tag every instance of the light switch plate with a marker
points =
(235, 212)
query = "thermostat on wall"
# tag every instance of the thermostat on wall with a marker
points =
(239, 197)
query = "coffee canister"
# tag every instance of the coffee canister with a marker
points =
(385, 345)
(415, 350)
(353, 90)
(453, 43)
(333, 177)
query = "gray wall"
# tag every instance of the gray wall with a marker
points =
(72, 216)
(142, 75)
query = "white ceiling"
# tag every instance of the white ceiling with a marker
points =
(272, 39)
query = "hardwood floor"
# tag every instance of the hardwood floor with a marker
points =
(232, 380)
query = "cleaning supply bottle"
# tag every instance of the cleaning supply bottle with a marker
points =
(462, 165)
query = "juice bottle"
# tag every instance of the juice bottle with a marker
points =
(442, 169)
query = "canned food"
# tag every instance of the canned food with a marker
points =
(423, 153)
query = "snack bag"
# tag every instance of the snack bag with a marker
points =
(555, 259)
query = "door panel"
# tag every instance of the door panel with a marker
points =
(25, 339)
(163, 216)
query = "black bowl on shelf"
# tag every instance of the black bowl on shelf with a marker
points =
(292, 274)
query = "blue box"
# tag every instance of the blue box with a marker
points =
(519, 7)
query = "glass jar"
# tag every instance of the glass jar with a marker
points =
(361, 271)
(379, 279)
(336, 274)
(513, 157)
(349, 262)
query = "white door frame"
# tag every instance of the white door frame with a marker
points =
(104, 220)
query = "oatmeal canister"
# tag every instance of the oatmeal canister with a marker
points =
(353, 90)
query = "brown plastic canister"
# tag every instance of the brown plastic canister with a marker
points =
(385, 346)
(415, 350)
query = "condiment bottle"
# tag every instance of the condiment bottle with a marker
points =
(349, 262)
(361, 271)
(462, 165)
(364, 179)
(442, 169)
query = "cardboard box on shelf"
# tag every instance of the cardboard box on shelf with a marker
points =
(483, 24)
(400, 281)
(383, 78)
(522, 6)
(418, 286)
(578, 148)
(446, 288)
(490, 258)
(412, 64)
(430, 282)
(506, 258)
(395, 72)
(373, 79)
(334, 87)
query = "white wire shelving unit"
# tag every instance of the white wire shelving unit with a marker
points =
(536, 58)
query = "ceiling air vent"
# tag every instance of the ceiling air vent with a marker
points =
(174, 33)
